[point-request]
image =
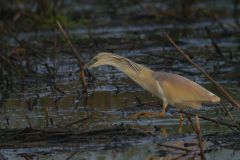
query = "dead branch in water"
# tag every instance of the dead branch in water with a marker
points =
(200, 139)
(209, 119)
(75, 52)
(214, 82)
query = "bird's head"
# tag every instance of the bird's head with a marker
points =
(99, 60)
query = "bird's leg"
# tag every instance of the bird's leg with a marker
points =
(164, 131)
(149, 113)
(180, 115)
(180, 127)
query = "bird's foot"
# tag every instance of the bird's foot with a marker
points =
(138, 115)
(149, 113)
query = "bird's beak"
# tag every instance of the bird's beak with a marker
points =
(84, 67)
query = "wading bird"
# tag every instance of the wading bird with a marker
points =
(175, 90)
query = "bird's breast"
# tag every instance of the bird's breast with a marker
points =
(149, 84)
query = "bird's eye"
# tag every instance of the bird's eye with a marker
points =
(95, 60)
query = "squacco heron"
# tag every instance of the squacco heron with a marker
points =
(175, 90)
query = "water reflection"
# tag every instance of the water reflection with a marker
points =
(178, 150)
(18, 100)
(102, 104)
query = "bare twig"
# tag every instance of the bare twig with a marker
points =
(29, 123)
(214, 82)
(47, 117)
(23, 44)
(175, 147)
(2, 156)
(232, 144)
(72, 154)
(200, 139)
(230, 116)
(25, 156)
(209, 119)
(11, 34)
(54, 55)
(233, 129)
(213, 42)
(190, 120)
(220, 24)
(78, 57)
(169, 58)
(194, 128)
(56, 87)
(8, 62)
(232, 25)
(235, 14)
(49, 70)
(70, 39)
(138, 100)
(64, 34)
(130, 153)
(83, 119)
(2, 40)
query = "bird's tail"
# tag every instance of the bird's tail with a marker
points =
(215, 99)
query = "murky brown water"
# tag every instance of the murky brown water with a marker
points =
(103, 101)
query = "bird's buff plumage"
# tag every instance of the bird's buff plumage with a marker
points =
(173, 89)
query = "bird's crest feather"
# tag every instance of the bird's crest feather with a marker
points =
(131, 63)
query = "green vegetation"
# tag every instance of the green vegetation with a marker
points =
(44, 16)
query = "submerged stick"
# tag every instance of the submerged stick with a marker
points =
(9, 63)
(54, 55)
(200, 139)
(49, 70)
(29, 123)
(190, 120)
(220, 24)
(24, 44)
(83, 119)
(209, 119)
(25, 156)
(72, 154)
(2, 37)
(138, 100)
(175, 147)
(47, 117)
(194, 128)
(74, 51)
(235, 11)
(230, 116)
(130, 153)
(214, 82)
(56, 87)
(2, 156)
(232, 25)
(213, 42)
(16, 39)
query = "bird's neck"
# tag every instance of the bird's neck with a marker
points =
(143, 77)
(135, 74)
(126, 68)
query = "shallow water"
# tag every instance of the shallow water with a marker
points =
(103, 101)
